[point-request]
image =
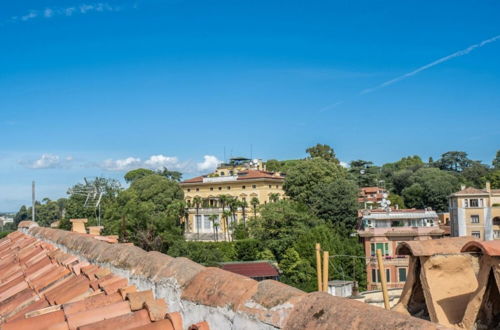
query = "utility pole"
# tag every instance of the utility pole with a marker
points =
(33, 201)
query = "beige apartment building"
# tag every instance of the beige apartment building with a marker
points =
(242, 179)
(475, 212)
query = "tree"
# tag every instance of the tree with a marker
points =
(304, 176)
(364, 173)
(21, 215)
(197, 203)
(274, 197)
(397, 200)
(254, 202)
(243, 204)
(475, 174)
(496, 161)
(296, 270)
(494, 178)
(213, 218)
(133, 175)
(455, 161)
(226, 215)
(322, 151)
(430, 187)
(171, 175)
(336, 203)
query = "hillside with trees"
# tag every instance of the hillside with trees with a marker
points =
(321, 208)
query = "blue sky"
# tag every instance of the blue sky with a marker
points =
(96, 88)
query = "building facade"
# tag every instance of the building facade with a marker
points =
(243, 180)
(371, 196)
(384, 229)
(475, 212)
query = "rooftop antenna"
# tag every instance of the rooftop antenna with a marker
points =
(93, 195)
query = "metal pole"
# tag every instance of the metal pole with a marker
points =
(325, 271)
(383, 281)
(318, 266)
(33, 201)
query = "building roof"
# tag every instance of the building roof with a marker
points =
(59, 279)
(449, 245)
(251, 269)
(241, 176)
(371, 189)
(470, 191)
(491, 248)
(380, 214)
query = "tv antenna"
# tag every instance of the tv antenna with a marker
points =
(93, 196)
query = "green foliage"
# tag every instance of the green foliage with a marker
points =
(494, 178)
(296, 270)
(430, 187)
(475, 175)
(247, 249)
(171, 175)
(282, 166)
(323, 151)
(305, 175)
(336, 203)
(364, 173)
(455, 161)
(4, 233)
(496, 161)
(265, 254)
(397, 200)
(133, 175)
(205, 253)
(22, 215)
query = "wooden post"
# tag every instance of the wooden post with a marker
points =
(318, 266)
(381, 272)
(325, 271)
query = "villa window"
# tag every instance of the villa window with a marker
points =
(375, 275)
(476, 234)
(222, 173)
(277, 186)
(211, 188)
(474, 218)
(189, 190)
(207, 223)
(197, 189)
(379, 246)
(243, 187)
(228, 188)
(402, 274)
(474, 202)
(270, 186)
(198, 222)
(220, 188)
(254, 186)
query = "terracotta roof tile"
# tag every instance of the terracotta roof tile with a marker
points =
(137, 299)
(200, 326)
(160, 325)
(36, 322)
(97, 314)
(93, 302)
(491, 248)
(449, 245)
(157, 309)
(122, 322)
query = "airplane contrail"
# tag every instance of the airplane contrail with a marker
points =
(430, 65)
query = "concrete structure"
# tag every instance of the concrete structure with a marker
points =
(440, 280)
(56, 279)
(376, 298)
(384, 229)
(475, 212)
(241, 179)
(340, 288)
(371, 196)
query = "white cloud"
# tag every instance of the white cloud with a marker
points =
(121, 164)
(48, 160)
(209, 163)
(158, 162)
(67, 11)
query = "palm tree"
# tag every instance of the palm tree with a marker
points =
(215, 224)
(225, 216)
(233, 206)
(255, 202)
(197, 203)
(274, 197)
(243, 204)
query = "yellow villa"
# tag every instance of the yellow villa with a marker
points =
(243, 180)
(476, 212)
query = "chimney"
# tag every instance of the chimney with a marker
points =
(488, 186)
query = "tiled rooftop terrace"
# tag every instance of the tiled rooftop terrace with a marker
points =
(55, 279)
